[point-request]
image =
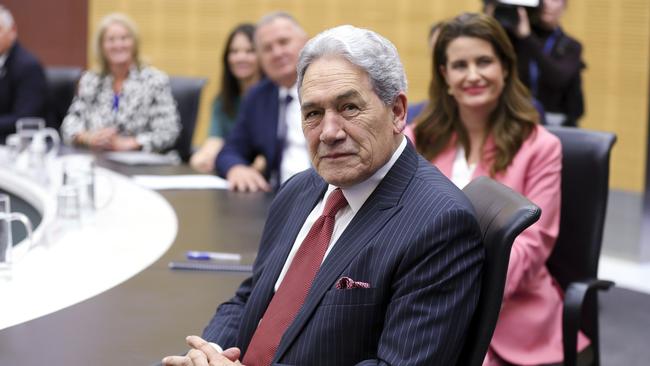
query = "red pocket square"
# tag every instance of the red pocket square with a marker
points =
(345, 283)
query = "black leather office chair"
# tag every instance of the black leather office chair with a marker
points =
(61, 88)
(574, 261)
(502, 215)
(187, 93)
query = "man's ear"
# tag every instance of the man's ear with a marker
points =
(399, 113)
(14, 32)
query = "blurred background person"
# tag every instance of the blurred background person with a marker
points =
(550, 61)
(126, 105)
(22, 80)
(269, 123)
(241, 70)
(480, 122)
(416, 108)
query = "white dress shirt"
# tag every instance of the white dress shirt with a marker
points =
(295, 156)
(356, 197)
(461, 171)
(3, 60)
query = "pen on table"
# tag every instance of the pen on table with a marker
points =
(200, 255)
(211, 266)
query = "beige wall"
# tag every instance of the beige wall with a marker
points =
(185, 37)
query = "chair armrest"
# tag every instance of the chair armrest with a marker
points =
(574, 297)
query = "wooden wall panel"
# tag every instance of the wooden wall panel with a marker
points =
(615, 36)
(55, 31)
(185, 37)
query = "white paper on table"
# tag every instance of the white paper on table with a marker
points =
(141, 158)
(181, 181)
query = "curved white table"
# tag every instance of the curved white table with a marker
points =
(68, 266)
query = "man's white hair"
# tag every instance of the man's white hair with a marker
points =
(6, 19)
(373, 53)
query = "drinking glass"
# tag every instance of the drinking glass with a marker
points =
(68, 209)
(26, 128)
(33, 137)
(6, 239)
(79, 172)
(31, 128)
(12, 150)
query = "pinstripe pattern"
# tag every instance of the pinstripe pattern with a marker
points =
(415, 241)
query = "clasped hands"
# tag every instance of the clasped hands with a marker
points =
(107, 139)
(202, 353)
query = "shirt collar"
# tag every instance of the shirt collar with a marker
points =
(359, 193)
(5, 56)
(293, 91)
(3, 59)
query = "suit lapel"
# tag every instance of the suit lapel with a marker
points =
(263, 291)
(373, 215)
(270, 114)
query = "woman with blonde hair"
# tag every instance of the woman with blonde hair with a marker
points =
(480, 122)
(124, 105)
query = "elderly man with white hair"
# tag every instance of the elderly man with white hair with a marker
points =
(22, 80)
(372, 257)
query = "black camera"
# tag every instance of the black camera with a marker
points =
(505, 11)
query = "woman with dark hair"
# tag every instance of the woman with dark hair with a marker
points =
(480, 121)
(241, 70)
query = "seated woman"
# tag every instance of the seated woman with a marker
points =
(125, 105)
(241, 70)
(480, 121)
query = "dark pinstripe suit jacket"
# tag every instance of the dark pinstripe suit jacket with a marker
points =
(415, 241)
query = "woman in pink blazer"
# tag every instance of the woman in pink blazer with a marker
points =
(480, 121)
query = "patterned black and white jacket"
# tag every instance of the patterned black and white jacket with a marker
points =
(146, 108)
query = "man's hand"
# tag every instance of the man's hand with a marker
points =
(246, 179)
(523, 27)
(203, 354)
(201, 162)
(489, 9)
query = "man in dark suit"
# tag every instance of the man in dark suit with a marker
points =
(268, 123)
(22, 80)
(395, 278)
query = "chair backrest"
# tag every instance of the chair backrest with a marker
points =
(61, 88)
(502, 215)
(585, 186)
(187, 93)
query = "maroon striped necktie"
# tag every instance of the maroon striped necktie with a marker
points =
(293, 289)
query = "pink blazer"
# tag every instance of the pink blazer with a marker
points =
(529, 329)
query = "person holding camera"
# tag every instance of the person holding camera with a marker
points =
(550, 61)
